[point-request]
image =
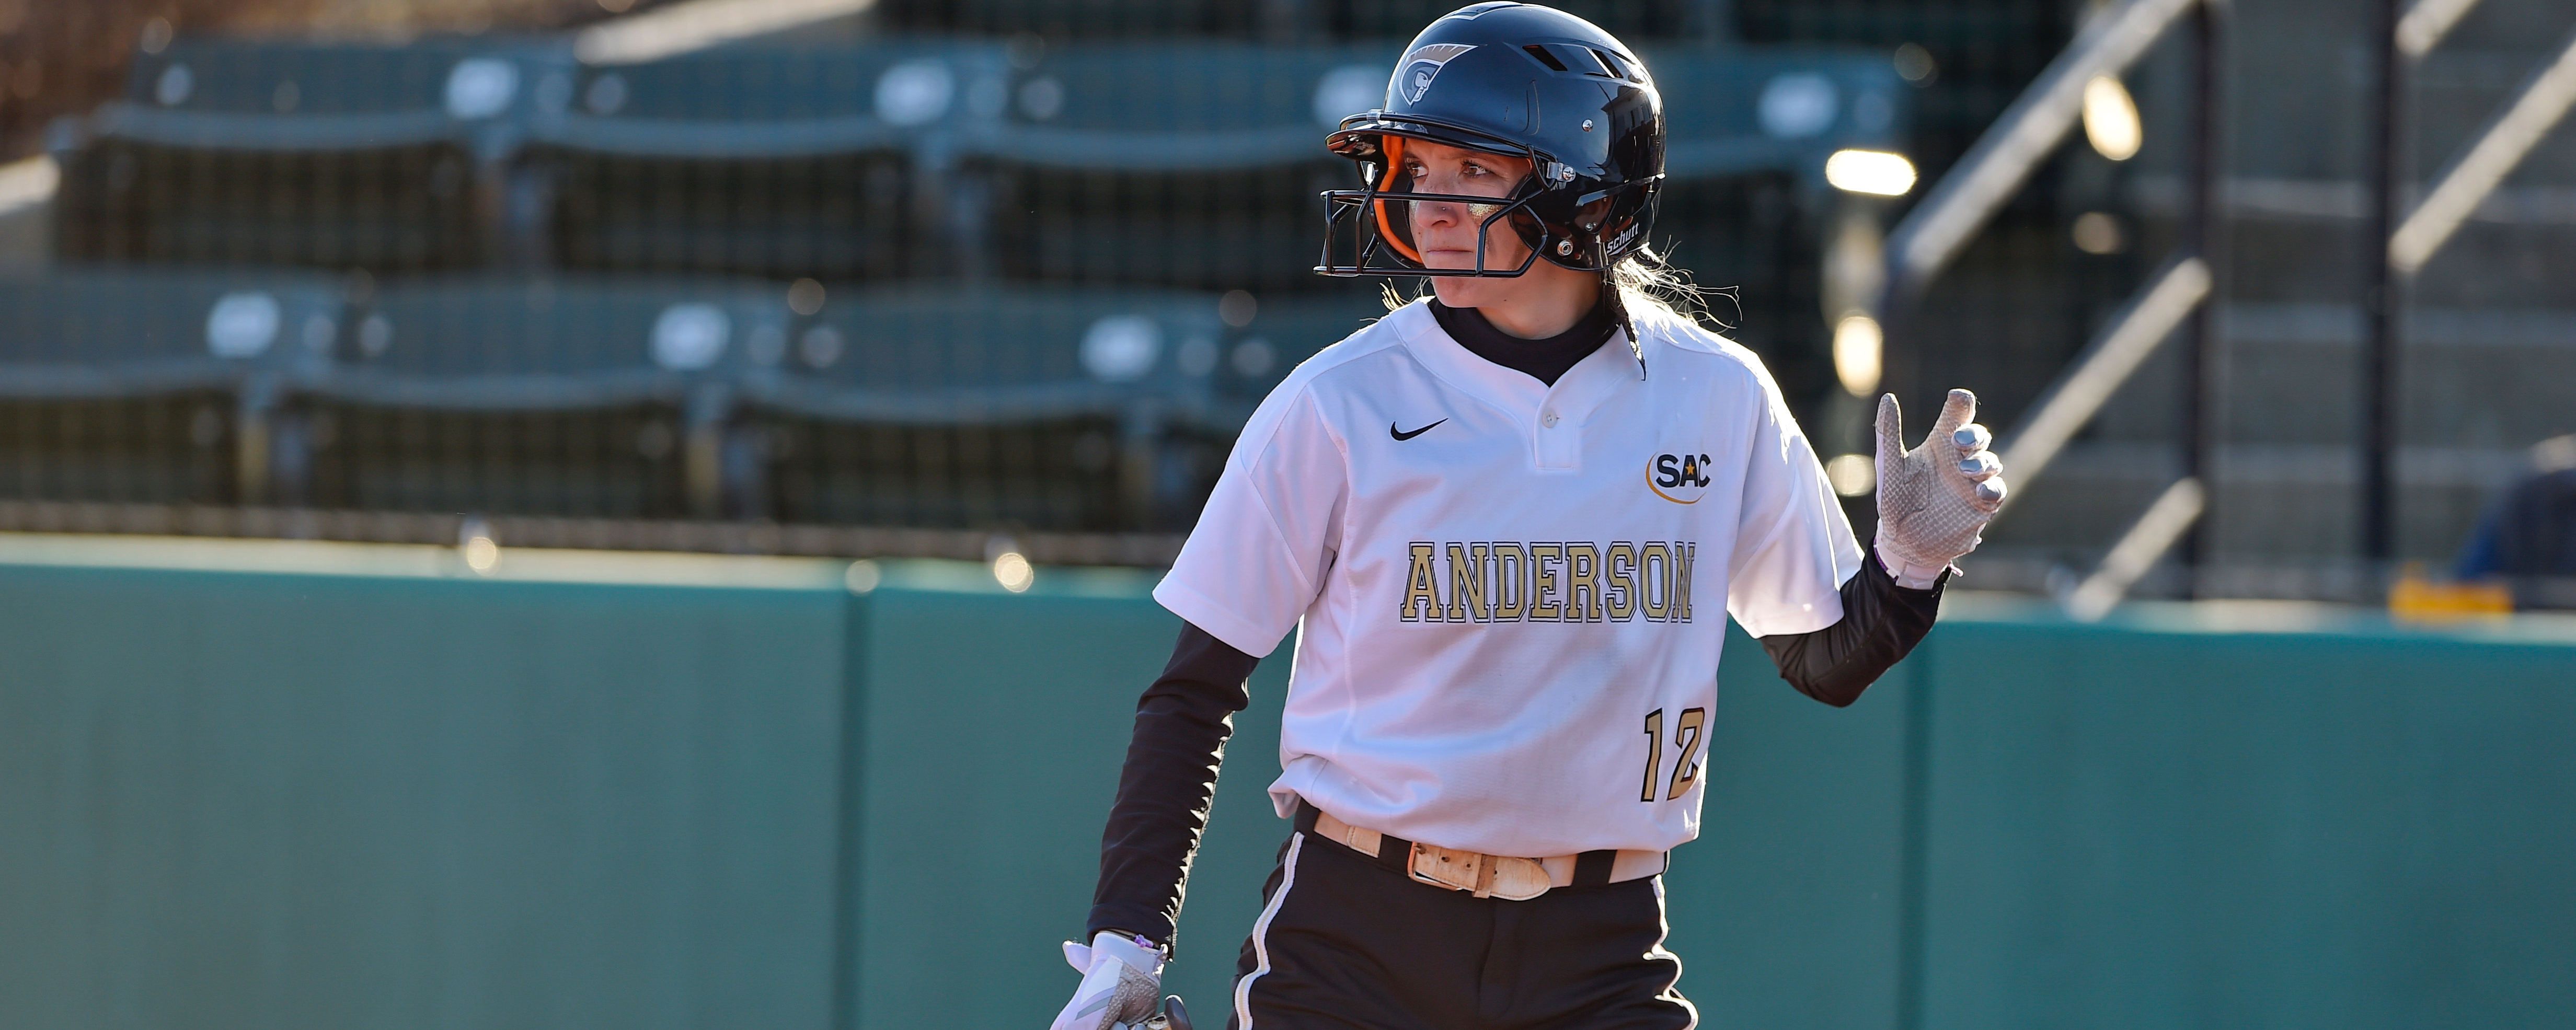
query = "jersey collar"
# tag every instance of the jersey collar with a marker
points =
(1583, 388)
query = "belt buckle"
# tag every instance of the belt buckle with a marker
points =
(1485, 876)
(1445, 867)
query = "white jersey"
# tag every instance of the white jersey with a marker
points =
(1511, 597)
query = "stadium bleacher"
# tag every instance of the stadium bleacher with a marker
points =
(1103, 174)
(151, 385)
(836, 164)
(328, 155)
(1740, 111)
(1058, 279)
(558, 396)
(1062, 407)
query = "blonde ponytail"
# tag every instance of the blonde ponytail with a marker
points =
(1647, 282)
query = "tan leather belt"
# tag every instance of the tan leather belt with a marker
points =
(1483, 875)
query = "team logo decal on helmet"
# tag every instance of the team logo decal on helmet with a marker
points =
(1569, 101)
(1423, 65)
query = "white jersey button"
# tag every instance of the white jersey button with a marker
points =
(1547, 419)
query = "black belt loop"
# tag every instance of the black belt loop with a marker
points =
(1593, 868)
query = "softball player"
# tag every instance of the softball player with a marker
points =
(1508, 522)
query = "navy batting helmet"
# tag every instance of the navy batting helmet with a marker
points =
(1516, 79)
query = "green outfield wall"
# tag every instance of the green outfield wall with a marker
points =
(292, 785)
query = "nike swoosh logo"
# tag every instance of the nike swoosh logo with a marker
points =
(1402, 435)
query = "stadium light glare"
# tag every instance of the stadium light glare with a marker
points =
(2111, 119)
(1857, 347)
(1013, 572)
(1852, 475)
(1876, 173)
(475, 543)
(27, 183)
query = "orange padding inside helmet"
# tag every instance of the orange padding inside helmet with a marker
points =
(1394, 147)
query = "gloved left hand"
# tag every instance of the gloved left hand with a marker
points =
(1934, 499)
(1122, 982)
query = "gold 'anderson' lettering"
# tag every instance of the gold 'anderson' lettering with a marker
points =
(1421, 592)
(1582, 582)
(1467, 597)
(1569, 581)
(1544, 562)
(1620, 598)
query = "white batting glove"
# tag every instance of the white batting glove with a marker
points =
(1122, 982)
(1933, 499)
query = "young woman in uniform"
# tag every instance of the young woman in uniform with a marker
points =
(1508, 523)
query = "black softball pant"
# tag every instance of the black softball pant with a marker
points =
(1344, 943)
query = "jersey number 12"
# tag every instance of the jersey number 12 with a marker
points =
(1687, 731)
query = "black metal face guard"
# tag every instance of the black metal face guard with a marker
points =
(1361, 205)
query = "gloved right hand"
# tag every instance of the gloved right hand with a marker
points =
(1934, 500)
(1122, 982)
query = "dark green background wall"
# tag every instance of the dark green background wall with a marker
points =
(306, 786)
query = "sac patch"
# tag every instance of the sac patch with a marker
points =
(1679, 478)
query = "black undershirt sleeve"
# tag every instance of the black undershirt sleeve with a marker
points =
(1164, 792)
(1881, 622)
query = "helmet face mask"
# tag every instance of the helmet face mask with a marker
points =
(1517, 80)
(1383, 217)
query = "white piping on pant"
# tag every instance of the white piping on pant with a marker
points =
(1664, 921)
(1261, 933)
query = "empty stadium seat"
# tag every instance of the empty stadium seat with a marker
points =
(276, 152)
(558, 397)
(1285, 329)
(453, 78)
(1184, 164)
(1048, 408)
(1733, 111)
(408, 207)
(151, 386)
(786, 162)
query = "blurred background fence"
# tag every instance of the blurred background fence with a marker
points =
(813, 275)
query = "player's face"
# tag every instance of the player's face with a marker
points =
(1539, 302)
(1446, 232)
